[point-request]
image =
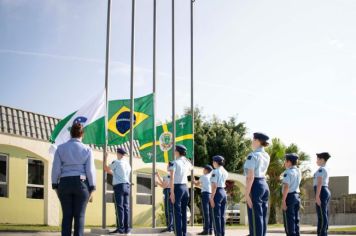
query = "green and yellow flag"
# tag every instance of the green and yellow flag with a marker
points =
(184, 135)
(119, 120)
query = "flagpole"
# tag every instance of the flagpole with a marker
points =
(153, 183)
(132, 101)
(173, 89)
(192, 109)
(107, 66)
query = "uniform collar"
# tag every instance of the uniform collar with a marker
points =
(260, 149)
(75, 140)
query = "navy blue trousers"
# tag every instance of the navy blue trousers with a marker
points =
(322, 211)
(180, 209)
(291, 215)
(257, 215)
(168, 209)
(122, 203)
(207, 212)
(73, 194)
(219, 211)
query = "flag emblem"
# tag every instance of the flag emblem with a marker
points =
(120, 121)
(166, 141)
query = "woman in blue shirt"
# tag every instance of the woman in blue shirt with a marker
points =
(73, 178)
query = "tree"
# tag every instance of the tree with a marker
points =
(277, 151)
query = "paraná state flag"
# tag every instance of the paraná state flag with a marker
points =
(119, 120)
(164, 142)
(91, 116)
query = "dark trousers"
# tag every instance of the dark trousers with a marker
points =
(73, 194)
(207, 212)
(257, 215)
(180, 209)
(122, 204)
(323, 212)
(291, 215)
(168, 209)
(219, 211)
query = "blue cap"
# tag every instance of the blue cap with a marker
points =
(181, 148)
(261, 136)
(121, 151)
(323, 155)
(219, 159)
(291, 157)
(208, 167)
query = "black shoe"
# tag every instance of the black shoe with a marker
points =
(167, 231)
(116, 231)
(203, 233)
(210, 232)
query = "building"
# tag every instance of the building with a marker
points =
(26, 196)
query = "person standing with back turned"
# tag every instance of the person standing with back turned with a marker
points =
(74, 180)
(179, 171)
(120, 170)
(257, 190)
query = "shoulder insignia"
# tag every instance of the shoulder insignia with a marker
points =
(112, 162)
(285, 175)
(320, 170)
(249, 157)
(168, 177)
(213, 175)
(171, 163)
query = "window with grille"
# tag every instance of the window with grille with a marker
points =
(4, 173)
(144, 194)
(35, 179)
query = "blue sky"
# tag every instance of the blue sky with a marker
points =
(284, 67)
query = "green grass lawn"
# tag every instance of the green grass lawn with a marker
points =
(345, 229)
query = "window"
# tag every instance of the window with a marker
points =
(109, 189)
(144, 194)
(35, 181)
(4, 175)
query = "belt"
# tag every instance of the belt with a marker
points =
(220, 188)
(180, 184)
(259, 178)
(294, 192)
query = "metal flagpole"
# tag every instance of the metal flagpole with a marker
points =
(192, 108)
(153, 183)
(173, 89)
(132, 114)
(107, 66)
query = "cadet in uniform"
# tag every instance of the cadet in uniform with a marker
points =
(205, 184)
(179, 170)
(290, 195)
(120, 170)
(218, 195)
(74, 179)
(165, 183)
(257, 191)
(322, 193)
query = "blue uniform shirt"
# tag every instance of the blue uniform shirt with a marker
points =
(323, 172)
(167, 181)
(205, 183)
(181, 169)
(258, 161)
(219, 176)
(121, 170)
(292, 177)
(73, 158)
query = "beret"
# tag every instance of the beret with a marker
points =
(261, 136)
(121, 151)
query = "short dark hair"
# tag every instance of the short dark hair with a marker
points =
(294, 162)
(77, 130)
(264, 143)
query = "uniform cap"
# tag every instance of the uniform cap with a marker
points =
(219, 159)
(181, 148)
(323, 155)
(208, 167)
(291, 157)
(121, 151)
(261, 136)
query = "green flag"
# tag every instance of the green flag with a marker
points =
(119, 120)
(184, 135)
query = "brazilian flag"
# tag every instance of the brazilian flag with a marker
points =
(184, 135)
(119, 120)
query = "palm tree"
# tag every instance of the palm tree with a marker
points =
(277, 151)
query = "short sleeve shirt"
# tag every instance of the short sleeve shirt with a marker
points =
(219, 176)
(121, 170)
(167, 180)
(258, 161)
(324, 173)
(205, 183)
(292, 177)
(181, 169)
